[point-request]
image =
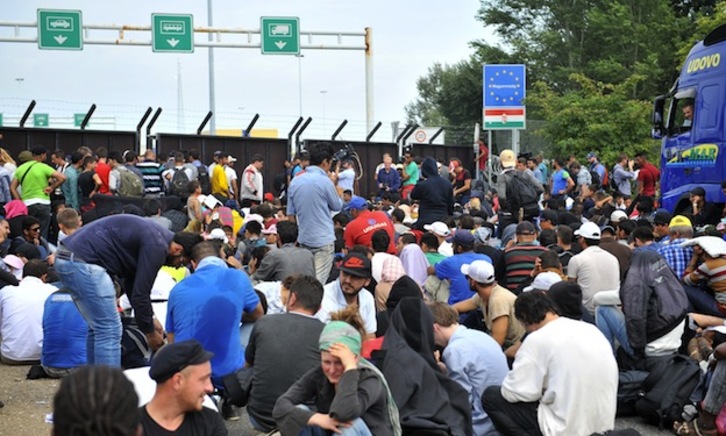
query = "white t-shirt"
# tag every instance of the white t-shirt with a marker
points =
(21, 318)
(446, 248)
(595, 270)
(334, 300)
(231, 178)
(377, 265)
(569, 367)
(346, 179)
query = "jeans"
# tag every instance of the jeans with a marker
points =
(323, 258)
(516, 419)
(42, 213)
(611, 322)
(93, 292)
(702, 301)
(357, 428)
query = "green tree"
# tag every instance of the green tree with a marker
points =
(595, 117)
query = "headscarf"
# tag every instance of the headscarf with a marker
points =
(415, 263)
(340, 332)
(402, 288)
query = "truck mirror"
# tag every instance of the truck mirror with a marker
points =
(657, 117)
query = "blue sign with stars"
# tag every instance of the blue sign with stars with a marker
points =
(504, 86)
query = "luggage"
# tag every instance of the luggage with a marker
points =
(667, 389)
(630, 387)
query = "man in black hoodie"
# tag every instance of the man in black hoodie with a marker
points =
(435, 195)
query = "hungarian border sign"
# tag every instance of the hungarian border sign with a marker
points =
(504, 89)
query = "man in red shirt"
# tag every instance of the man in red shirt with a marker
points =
(103, 169)
(648, 177)
(365, 223)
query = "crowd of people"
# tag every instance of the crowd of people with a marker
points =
(437, 305)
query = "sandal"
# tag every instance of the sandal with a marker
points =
(693, 428)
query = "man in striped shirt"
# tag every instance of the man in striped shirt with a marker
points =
(151, 172)
(705, 279)
(520, 257)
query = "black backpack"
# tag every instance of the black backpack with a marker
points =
(613, 184)
(667, 389)
(630, 388)
(520, 194)
(179, 185)
(203, 178)
(595, 176)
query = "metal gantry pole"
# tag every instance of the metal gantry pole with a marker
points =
(213, 123)
(370, 117)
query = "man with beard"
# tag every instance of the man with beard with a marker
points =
(355, 274)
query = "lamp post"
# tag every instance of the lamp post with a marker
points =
(324, 92)
(299, 81)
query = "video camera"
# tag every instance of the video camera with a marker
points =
(345, 153)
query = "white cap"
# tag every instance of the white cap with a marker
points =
(714, 246)
(480, 271)
(618, 216)
(543, 281)
(438, 228)
(232, 159)
(589, 230)
(218, 234)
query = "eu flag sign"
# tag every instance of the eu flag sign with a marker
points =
(504, 90)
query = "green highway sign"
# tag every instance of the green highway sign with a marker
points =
(280, 35)
(172, 33)
(40, 120)
(78, 119)
(60, 29)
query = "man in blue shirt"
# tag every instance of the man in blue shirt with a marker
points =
(208, 306)
(312, 197)
(680, 230)
(450, 268)
(64, 335)
(472, 358)
(388, 178)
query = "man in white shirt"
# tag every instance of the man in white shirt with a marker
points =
(232, 177)
(21, 315)
(346, 177)
(251, 187)
(564, 380)
(355, 275)
(593, 267)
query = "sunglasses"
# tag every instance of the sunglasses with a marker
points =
(34, 229)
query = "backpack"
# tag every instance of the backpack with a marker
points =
(520, 194)
(595, 176)
(130, 185)
(630, 386)
(203, 178)
(179, 185)
(667, 389)
(612, 183)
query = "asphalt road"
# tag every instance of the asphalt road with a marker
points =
(27, 402)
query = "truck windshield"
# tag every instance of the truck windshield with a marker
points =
(683, 112)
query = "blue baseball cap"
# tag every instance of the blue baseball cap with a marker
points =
(357, 203)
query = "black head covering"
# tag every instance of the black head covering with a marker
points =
(567, 297)
(414, 323)
(429, 168)
(402, 288)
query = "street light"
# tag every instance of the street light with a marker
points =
(299, 80)
(324, 92)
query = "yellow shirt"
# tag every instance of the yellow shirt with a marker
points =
(219, 181)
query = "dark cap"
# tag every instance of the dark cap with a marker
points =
(549, 215)
(464, 237)
(356, 264)
(173, 358)
(38, 150)
(525, 228)
(217, 153)
(662, 217)
(698, 191)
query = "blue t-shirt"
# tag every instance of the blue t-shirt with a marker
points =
(559, 181)
(207, 306)
(64, 332)
(450, 268)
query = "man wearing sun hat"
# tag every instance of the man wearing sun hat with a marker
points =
(182, 372)
(593, 268)
(507, 216)
(680, 230)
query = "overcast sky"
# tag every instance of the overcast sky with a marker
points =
(408, 37)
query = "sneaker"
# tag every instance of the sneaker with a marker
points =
(230, 412)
